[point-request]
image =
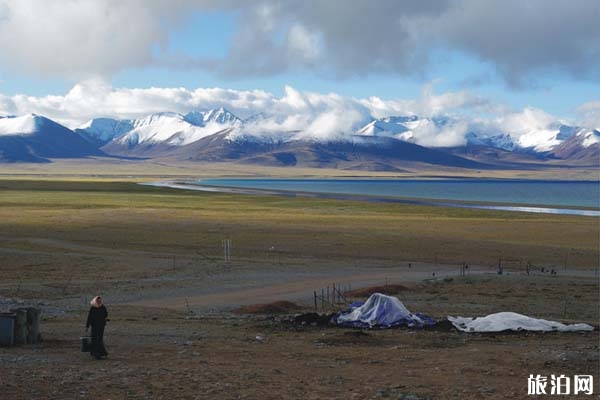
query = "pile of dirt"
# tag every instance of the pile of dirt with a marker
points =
(311, 319)
(278, 307)
(384, 289)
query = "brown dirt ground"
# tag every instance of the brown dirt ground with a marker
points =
(158, 353)
(277, 307)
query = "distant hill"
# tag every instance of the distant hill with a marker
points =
(33, 138)
(581, 148)
(371, 153)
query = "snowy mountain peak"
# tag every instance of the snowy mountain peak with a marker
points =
(370, 129)
(388, 126)
(157, 118)
(540, 140)
(105, 129)
(34, 138)
(219, 116)
(403, 127)
(24, 125)
(501, 141)
(155, 128)
(588, 138)
(174, 129)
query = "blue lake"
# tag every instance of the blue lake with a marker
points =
(565, 194)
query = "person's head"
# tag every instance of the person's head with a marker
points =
(96, 301)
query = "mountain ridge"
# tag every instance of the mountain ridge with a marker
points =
(219, 135)
(34, 138)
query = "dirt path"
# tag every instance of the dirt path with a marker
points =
(298, 290)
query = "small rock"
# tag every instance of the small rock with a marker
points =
(486, 390)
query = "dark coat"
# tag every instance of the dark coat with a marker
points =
(97, 317)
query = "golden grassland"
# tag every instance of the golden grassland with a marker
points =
(124, 231)
(84, 225)
(139, 217)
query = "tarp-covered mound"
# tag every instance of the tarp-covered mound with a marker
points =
(381, 311)
(510, 321)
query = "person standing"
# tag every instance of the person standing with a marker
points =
(97, 318)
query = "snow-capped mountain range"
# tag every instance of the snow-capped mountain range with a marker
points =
(538, 140)
(163, 134)
(165, 127)
(177, 130)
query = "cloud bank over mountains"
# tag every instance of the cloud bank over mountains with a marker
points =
(89, 42)
(81, 39)
(307, 114)
(590, 113)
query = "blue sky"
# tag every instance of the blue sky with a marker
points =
(514, 55)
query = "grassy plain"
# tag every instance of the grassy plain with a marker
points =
(125, 230)
(70, 234)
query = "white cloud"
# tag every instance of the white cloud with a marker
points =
(303, 44)
(96, 98)
(590, 114)
(525, 121)
(533, 129)
(430, 135)
(431, 104)
(530, 127)
(77, 39)
(314, 114)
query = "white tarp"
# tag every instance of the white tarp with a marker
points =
(510, 321)
(380, 310)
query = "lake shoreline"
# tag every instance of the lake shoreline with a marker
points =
(481, 205)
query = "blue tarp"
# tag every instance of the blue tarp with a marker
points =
(381, 311)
